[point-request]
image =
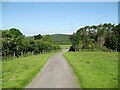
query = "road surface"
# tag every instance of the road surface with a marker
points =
(56, 73)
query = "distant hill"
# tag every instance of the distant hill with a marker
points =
(29, 37)
(60, 38)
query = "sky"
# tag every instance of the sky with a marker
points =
(60, 0)
(33, 18)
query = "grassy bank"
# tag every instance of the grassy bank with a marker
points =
(95, 69)
(19, 72)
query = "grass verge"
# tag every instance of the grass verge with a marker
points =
(19, 72)
(95, 69)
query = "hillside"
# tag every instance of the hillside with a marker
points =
(58, 38)
(61, 38)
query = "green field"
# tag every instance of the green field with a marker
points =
(19, 72)
(95, 69)
(65, 46)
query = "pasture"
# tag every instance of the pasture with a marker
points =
(95, 69)
(19, 72)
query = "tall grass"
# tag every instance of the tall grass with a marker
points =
(95, 69)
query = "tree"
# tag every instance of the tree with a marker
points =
(103, 37)
(12, 39)
(16, 44)
(38, 37)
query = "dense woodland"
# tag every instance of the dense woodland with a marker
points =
(15, 44)
(103, 37)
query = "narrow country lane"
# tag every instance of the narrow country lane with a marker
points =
(55, 74)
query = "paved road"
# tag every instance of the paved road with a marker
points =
(55, 74)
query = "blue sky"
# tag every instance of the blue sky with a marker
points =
(53, 18)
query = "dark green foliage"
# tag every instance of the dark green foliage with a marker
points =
(118, 33)
(12, 40)
(38, 37)
(103, 37)
(15, 44)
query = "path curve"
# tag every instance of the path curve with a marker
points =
(55, 74)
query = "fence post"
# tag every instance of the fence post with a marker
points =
(14, 55)
(22, 54)
(32, 52)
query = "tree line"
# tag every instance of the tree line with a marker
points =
(103, 37)
(15, 44)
